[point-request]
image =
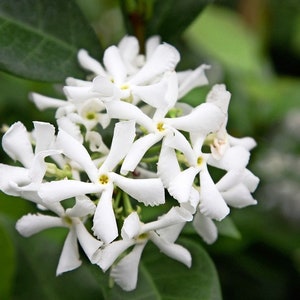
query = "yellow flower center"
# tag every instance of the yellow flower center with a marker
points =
(90, 115)
(103, 179)
(199, 160)
(160, 126)
(68, 220)
(124, 86)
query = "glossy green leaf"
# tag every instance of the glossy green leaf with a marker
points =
(39, 39)
(7, 263)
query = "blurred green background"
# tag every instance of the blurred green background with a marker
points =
(254, 47)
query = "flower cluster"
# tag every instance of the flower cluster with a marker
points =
(125, 142)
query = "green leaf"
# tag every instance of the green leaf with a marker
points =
(168, 18)
(171, 17)
(40, 39)
(222, 35)
(7, 263)
(227, 227)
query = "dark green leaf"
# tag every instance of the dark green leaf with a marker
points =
(171, 17)
(39, 39)
(168, 18)
(7, 263)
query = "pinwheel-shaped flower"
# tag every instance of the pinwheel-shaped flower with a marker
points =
(72, 218)
(17, 143)
(137, 234)
(103, 180)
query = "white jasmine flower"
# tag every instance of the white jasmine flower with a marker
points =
(103, 180)
(17, 143)
(204, 119)
(73, 219)
(136, 233)
(116, 82)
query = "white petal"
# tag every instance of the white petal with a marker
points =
(77, 152)
(127, 111)
(83, 207)
(167, 166)
(89, 63)
(79, 93)
(212, 203)
(234, 158)
(164, 58)
(219, 96)
(77, 82)
(137, 151)
(123, 137)
(171, 233)
(69, 258)
(106, 256)
(104, 222)
(148, 191)
(206, 228)
(69, 126)
(32, 224)
(231, 178)
(174, 216)
(125, 272)
(103, 86)
(43, 102)
(11, 173)
(95, 142)
(246, 142)
(16, 143)
(38, 168)
(205, 118)
(153, 95)
(196, 78)
(250, 180)
(63, 189)
(234, 177)
(131, 226)
(180, 187)
(151, 44)
(239, 196)
(174, 251)
(88, 243)
(172, 90)
(44, 134)
(114, 64)
(178, 141)
(129, 49)
(28, 192)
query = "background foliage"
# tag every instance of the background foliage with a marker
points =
(254, 47)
